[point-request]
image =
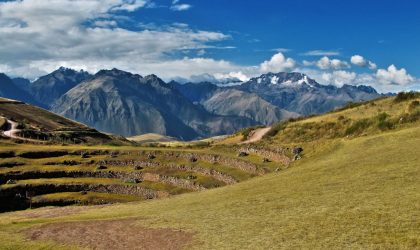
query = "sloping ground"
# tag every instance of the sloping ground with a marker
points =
(42, 125)
(147, 138)
(351, 190)
(359, 193)
(33, 175)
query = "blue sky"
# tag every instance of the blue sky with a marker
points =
(336, 42)
(386, 30)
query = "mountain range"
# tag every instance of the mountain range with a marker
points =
(128, 104)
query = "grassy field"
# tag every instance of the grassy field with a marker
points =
(348, 192)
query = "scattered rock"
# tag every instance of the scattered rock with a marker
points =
(11, 182)
(193, 159)
(84, 155)
(297, 150)
(242, 154)
(191, 177)
(83, 192)
(70, 162)
(138, 168)
(151, 156)
(100, 167)
(265, 160)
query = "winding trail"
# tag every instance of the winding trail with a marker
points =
(12, 130)
(256, 135)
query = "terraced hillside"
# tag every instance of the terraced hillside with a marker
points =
(354, 186)
(53, 175)
(38, 125)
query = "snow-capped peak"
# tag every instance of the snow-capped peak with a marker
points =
(274, 80)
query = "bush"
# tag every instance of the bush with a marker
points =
(246, 131)
(358, 127)
(411, 117)
(404, 96)
(383, 123)
(275, 129)
(413, 105)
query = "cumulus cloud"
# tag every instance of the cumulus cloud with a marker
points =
(278, 63)
(339, 78)
(36, 35)
(362, 62)
(394, 76)
(325, 63)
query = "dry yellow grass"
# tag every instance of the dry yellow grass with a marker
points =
(346, 193)
(360, 193)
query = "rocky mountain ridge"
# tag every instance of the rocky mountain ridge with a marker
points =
(123, 103)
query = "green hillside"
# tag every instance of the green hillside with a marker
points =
(356, 186)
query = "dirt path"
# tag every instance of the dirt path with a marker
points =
(256, 135)
(12, 130)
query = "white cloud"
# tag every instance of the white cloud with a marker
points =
(239, 75)
(278, 63)
(176, 6)
(394, 76)
(39, 34)
(321, 53)
(130, 5)
(362, 62)
(339, 78)
(326, 63)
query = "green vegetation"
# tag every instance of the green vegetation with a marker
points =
(405, 96)
(246, 131)
(3, 122)
(85, 198)
(356, 187)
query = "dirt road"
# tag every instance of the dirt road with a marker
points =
(256, 135)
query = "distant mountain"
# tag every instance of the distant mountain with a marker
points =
(9, 89)
(296, 92)
(233, 102)
(22, 83)
(47, 89)
(123, 103)
(128, 104)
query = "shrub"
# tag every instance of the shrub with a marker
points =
(413, 105)
(275, 129)
(358, 127)
(382, 121)
(410, 117)
(404, 96)
(246, 131)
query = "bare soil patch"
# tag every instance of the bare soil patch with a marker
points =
(256, 135)
(113, 234)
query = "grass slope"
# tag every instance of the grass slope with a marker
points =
(358, 191)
